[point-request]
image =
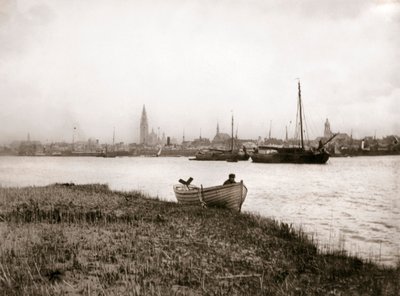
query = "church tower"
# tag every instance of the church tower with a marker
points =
(144, 127)
(327, 131)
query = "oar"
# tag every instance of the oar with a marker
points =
(187, 183)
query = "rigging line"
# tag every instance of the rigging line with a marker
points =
(307, 133)
(305, 123)
(311, 129)
(296, 131)
(314, 128)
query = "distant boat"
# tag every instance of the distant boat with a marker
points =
(107, 153)
(231, 155)
(271, 154)
(232, 160)
(296, 154)
(112, 153)
(159, 152)
(224, 155)
(229, 196)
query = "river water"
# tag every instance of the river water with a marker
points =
(349, 203)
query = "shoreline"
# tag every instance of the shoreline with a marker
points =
(82, 239)
(192, 154)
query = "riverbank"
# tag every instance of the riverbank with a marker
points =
(87, 239)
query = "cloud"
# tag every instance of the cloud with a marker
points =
(20, 26)
(336, 10)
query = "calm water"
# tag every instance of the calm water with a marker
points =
(350, 203)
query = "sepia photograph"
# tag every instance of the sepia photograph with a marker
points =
(199, 147)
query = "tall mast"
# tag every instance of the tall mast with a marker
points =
(351, 137)
(270, 126)
(232, 135)
(114, 136)
(286, 138)
(73, 137)
(301, 117)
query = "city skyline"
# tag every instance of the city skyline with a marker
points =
(93, 66)
(154, 138)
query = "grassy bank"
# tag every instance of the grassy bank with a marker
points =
(66, 240)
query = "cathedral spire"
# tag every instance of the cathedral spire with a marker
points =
(144, 127)
(327, 131)
(144, 113)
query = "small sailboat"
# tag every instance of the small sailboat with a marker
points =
(230, 196)
(110, 153)
(295, 154)
(159, 152)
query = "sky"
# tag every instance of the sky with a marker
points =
(94, 64)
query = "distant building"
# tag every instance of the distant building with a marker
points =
(220, 139)
(342, 137)
(201, 143)
(92, 145)
(152, 138)
(327, 131)
(30, 148)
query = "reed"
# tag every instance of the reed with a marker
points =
(89, 240)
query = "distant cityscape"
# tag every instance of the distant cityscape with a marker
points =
(154, 144)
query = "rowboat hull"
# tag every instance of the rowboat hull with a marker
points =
(229, 196)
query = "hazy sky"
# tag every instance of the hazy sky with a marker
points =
(93, 64)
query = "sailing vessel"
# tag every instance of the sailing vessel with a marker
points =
(224, 155)
(295, 154)
(159, 151)
(112, 152)
(232, 155)
(229, 196)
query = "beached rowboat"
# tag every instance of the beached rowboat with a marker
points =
(229, 196)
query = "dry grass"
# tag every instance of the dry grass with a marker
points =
(66, 240)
